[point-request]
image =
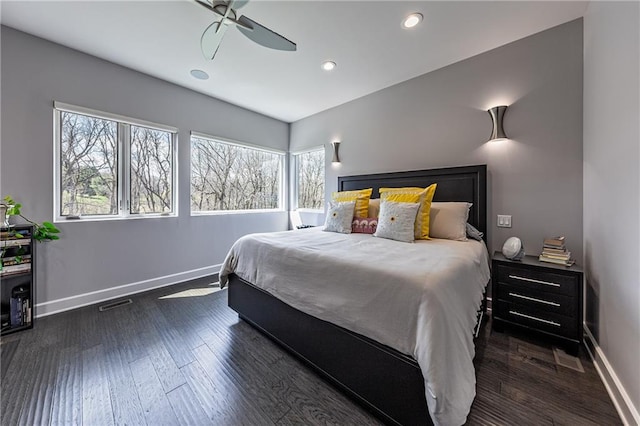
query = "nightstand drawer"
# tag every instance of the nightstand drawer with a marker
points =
(542, 301)
(544, 321)
(538, 280)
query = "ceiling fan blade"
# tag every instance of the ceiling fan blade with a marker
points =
(211, 38)
(264, 36)
(239, 3)
(205, 3)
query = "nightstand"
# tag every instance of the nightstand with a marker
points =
(539, 297)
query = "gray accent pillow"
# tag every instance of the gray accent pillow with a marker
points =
(397, 221)
(339, 217)
(473, 233)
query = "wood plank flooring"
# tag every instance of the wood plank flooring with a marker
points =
(179, 355)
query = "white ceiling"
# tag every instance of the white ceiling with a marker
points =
(365, 39)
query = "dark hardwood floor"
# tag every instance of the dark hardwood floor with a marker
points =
(179, 355)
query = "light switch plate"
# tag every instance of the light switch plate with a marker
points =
(504, 221)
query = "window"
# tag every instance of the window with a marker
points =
(227, 176)
(310, 179)
(151, 171)
(112, 167)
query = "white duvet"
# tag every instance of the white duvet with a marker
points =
(419, 298)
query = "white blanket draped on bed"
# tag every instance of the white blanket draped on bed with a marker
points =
(419, 298)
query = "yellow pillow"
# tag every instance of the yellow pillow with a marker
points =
(406, 195)
(361, 197)
(401, 197)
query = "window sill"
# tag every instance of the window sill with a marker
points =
(81, 219)
(229, 212)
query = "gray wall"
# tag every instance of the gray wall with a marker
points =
(612, 185)
(99, 255)
(439, 119)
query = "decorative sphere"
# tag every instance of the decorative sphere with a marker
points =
(513, 249)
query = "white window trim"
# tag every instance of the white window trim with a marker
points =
(124, 165)
(295, 179)
(282, 168)
(225, 212)
(310, 149)
(60, 106)
(237, 143)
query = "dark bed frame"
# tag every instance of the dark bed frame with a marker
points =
(383, 380)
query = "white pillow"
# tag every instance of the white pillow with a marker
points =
(339, 217)
(449, 220)
(397, 221)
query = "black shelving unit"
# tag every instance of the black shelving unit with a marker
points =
(17, 289)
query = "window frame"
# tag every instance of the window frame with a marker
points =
(295, 164)
(123, 160)
(281, 180)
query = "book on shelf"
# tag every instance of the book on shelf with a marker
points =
(16, 311)
(565, 255)
(15, 233)
(563, 262)
(26, 311)
(550, 250)
(15, 269)
(554, 242)
(15, 242)
(15, 260)
(561, 249)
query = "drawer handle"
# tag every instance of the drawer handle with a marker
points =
(515, 277)
(534, 299)
(534, 318)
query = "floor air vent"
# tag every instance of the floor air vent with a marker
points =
(115, 305)
(564, 359)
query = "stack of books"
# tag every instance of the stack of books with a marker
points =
(555, 251)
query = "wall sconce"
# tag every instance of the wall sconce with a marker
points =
(497, 113)
(336, 148)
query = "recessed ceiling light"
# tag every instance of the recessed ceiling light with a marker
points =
(412, 20)
(199, 74)
(328, 65)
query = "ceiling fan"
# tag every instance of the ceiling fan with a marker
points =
(226, 11)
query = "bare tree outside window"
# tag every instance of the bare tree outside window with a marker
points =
(310, 170)
(109, 166)
(151, 171)
(89, 170)
(230, 177)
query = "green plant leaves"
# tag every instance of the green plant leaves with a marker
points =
(44, 234)
(41, 232)
(50, 227)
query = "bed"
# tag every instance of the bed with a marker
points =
(386, 380)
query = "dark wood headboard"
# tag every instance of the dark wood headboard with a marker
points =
(467, 183)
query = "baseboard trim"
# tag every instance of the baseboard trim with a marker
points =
(67, 303)
(627, 412)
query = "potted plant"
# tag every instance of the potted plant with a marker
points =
(44, 231)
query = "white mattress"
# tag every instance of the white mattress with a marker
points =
(419, 298)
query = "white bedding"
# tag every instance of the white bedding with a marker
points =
(419, 298)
